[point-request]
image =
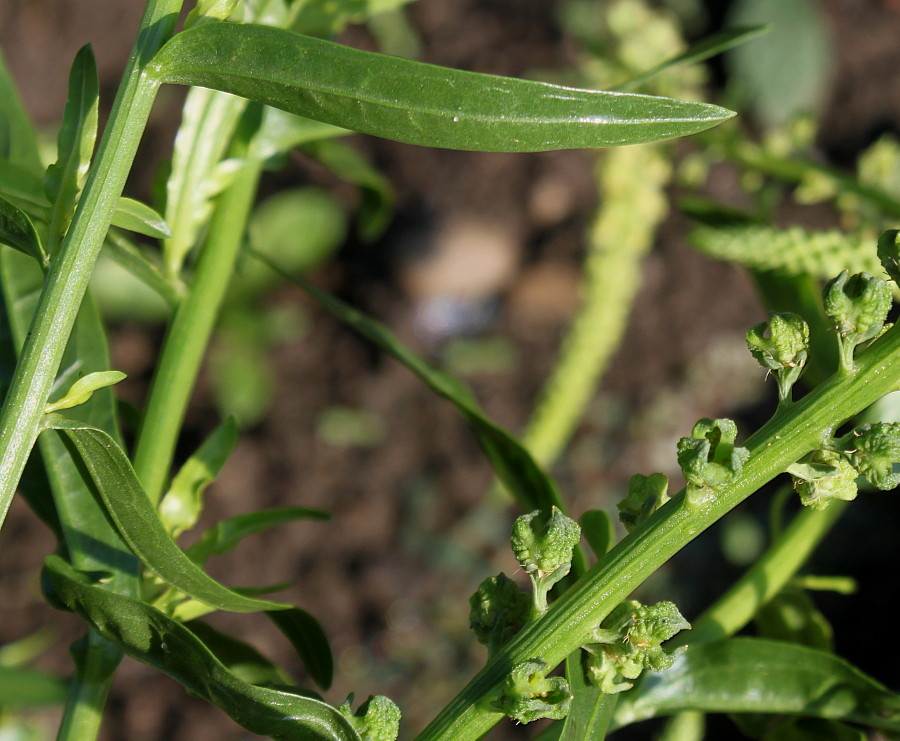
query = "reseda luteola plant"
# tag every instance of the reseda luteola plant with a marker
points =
(267, 85)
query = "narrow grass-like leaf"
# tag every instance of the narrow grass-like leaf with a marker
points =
(310, 642)
(18, 140)
(17, 231)
(21, 687)
(180, 508)
(514, 466)
(414, 102)
(226, 534)
(753, 675)
(138, 523)
(591, 711)
(703, 49)
(139, 217)
(149, 636)
(75, 143)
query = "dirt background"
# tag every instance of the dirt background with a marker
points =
(389, 576)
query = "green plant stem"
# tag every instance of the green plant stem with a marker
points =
(95, 661)
(795, 431)
(70, 271)
(765, 578)
(190, 331)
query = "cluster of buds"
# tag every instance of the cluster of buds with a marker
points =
(709, 458)
(377, 719)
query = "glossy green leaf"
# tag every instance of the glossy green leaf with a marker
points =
(181, 506)
(377, 197)
(17, 231)
(139, 217)
(138, 523)
(703, 49)
(414, 102)
(240, 658)
(21, 687)
(149, 636)
(309, 641)
(18, 140)
(75, 143)
(754, 675)
(226, 534)
(515, 467)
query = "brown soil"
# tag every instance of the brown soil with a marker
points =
(383, 576)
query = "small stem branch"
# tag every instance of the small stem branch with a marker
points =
(569, 621)
(190, 332)
(70, 271)
(95, 662)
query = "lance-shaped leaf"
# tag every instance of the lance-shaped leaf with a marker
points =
(226, 534)
(83, 389)
(138, 523)
(17, 231)
(513, 464)
(149, 636)
(139, 217)
(752, 675)
(414, 102)
(75, 143)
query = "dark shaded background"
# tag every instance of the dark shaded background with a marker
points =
(387, 576)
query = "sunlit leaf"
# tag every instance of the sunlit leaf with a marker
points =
(83, 389)
(414, 102)
(138, 523)
(149, 636)
(754, 675)
(139, 217)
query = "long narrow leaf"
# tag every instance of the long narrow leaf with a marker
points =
(515, 467)
(75, 143)
(414, 102)
(753, 675)
(138, 523)
(149, 636)
(17, 231)
(309, 641)
(139, 217)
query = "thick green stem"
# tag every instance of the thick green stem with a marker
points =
(70, 271)
(95, 661)
(189, 334)
(566, 625)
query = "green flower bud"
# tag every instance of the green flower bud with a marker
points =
(709, 459)
(543, 545)
(858, 307)
(872, 450)
(499, 610)
(646, 494)
(528, 694)
(823, 476)
(889, 253)
(782, 346)
(629, 641)
(377, 719)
